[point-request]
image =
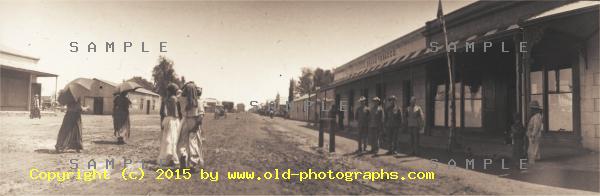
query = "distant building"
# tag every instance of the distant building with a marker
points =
(144, 101)
(241, 107)
(18, 81)
(228, 105)
(210, 104)
(100, 99)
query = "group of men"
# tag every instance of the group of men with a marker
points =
(382, 123)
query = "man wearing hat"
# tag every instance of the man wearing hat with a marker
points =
(362, 115)
(393, 120)
(415, 122)
(534, 132)
(375, 124)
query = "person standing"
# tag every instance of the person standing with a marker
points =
(190, 142)
(415, 122)
(517, 132)
(376, 124)
(534, 132)
(35, 107)
(393, 120)
(70, 133)
(362, 115)
(170, 128)
(120, 115)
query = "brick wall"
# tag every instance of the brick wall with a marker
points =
(590, 96)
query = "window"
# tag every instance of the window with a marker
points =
(560, 101)
(457, 105)
(470, 92)
(440, 104)
(351, 106)
(552, 88)
(154, 104)
(142, 104)
(473, 104)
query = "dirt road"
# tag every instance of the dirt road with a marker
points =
(241, 142)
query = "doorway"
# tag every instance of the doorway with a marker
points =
(148, 107)
(406, 93)
(98, 105)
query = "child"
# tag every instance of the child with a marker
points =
(518, 138)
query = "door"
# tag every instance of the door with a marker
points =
(340, 112)
(406, 93)
(148, 107)
(98, 105)
(36, 89)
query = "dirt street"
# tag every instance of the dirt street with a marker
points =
(241, 142)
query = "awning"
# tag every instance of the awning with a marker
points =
(28, 70)
(424, 53)
(565, 9)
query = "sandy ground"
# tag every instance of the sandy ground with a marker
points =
(242, 142)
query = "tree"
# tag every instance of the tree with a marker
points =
(305, 82)
(291, 90)
(322, 77)
(163, 74)
(143, 82)
(277, 100)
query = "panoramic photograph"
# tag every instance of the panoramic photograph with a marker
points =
(351, 97)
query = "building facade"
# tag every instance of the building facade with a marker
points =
(18, 81)
(100, 99)
(503, 55)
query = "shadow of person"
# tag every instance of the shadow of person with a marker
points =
(46, 151)
(53, 151)
(104, 142)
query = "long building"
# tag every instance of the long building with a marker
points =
(18, 81)
(505, 54)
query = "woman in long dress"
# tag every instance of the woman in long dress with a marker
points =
(170, 129)
(35, 107)
(69, 135)
(534, 132)
(190, 142)
(121, 121)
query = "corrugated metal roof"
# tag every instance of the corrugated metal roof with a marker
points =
(565, 8)
(19, 62)
(107, 82)
(146, 91)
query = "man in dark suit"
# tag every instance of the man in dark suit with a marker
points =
(392, 121)
(362, 115)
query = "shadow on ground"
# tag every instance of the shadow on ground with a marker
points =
(550, 171)
(104, 142)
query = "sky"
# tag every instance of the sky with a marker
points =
(236, 51)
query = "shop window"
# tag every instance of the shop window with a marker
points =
(440, 104)
(560, 101)
(457, 105)
(473, 104)
(351, 106)
(557, 99)
(471, 92)
(536, 78)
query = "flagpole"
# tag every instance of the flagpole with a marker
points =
(450, 78)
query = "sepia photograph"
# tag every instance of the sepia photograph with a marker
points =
(299, 97)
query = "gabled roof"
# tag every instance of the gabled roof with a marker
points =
(107, 82)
